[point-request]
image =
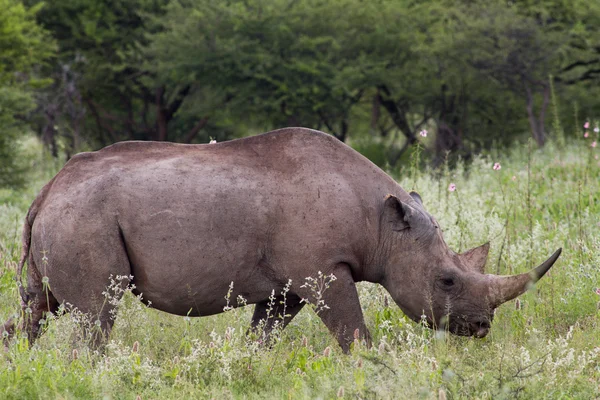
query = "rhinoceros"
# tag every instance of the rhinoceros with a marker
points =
(182, 222)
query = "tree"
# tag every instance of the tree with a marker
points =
(24, 47)
(284, 63)
(521, 47)
(475, 73)
(102, 84)
(514, 51)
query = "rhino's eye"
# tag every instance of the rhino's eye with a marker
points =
(448, 282)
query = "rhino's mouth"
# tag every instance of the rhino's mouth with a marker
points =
(478, 329)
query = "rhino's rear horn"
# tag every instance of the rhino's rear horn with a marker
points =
(505, 288)
(476, 257)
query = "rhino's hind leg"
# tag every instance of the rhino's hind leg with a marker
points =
(87, 269)
(269, 315)
(98, 302)
(40, 302)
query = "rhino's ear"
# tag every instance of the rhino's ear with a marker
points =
(397, 213)
(477, 257)
(416, 197)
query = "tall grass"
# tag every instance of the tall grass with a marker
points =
(546, 345)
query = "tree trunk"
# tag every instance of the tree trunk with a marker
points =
(446, 140)
(161, 115)
(74, 106)
(375, 113)
(397, 115)
(340, 134)
(537, 123)
(49, 134)
(543, 108)
(194, 131)
(394, 157)
(104, 127)
(343, 135)
(50, 109)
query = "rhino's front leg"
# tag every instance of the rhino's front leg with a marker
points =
(343, 314)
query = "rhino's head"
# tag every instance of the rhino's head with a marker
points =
(428, 280)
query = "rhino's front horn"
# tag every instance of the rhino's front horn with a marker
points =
(505, 288)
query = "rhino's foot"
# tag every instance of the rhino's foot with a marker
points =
(41, 303)
(7, 331)
(99, 333)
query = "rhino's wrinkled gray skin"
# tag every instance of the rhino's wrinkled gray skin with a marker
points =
(187, 220)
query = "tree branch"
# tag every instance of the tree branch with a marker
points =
(172, 109)
(102, 125)
(398, 117)
(587, 76)
(326, 123)
(580, 64)
(194, 131)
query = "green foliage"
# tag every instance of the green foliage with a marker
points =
(544, 346)
(98, 70)
(12, 101)
(476, 74)
(24, 46)
(279, 61)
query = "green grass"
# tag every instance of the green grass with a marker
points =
(547, 347)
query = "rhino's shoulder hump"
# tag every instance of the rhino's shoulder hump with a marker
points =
(290, 136)
(300, 132)
(138, 146)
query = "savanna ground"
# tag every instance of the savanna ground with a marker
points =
(546, 345)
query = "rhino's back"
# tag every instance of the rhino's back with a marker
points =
(291, 159)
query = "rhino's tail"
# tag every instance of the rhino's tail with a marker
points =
(26, 238)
